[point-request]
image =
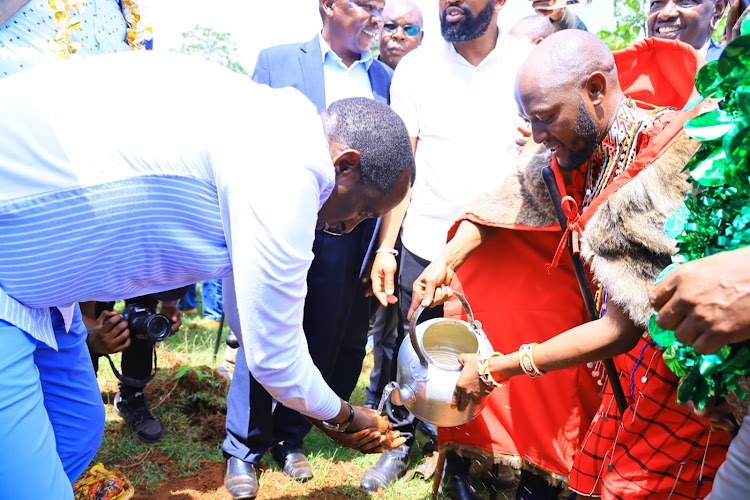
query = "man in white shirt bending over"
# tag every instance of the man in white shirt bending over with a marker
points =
(208, 175)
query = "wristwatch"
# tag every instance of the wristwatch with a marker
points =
(343, 425)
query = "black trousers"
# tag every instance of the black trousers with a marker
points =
(336, 320)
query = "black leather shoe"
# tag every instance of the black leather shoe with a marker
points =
(293, 462)
(240, 479)
(232, 340)
(390, 466)
(457, 487)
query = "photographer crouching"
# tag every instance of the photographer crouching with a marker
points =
(134, 333)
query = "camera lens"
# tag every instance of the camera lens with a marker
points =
(158, 327)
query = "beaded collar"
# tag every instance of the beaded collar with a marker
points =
(615, 153)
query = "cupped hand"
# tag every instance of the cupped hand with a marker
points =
(554, 9)
(432, 288)
(382, 275)
(469, 388)
(110, 335)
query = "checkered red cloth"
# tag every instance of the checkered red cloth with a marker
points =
(658, 450)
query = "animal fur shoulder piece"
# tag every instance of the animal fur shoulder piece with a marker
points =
(625, 243)
(522, 199)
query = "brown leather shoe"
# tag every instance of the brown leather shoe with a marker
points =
(240, 479)
(293, 462)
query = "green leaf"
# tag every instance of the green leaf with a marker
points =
(709, 126)
(708, 81)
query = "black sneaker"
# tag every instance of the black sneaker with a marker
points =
(134, 411)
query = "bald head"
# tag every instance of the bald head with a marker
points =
(567, 58)
(402, 31)
(568, 91)
(397, 8)
(533, 28)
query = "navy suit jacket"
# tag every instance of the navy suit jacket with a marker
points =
(300, 65)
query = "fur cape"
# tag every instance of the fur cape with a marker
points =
(624, 242)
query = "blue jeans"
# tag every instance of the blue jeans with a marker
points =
(211, 297)
(51, 411)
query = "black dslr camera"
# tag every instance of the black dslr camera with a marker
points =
(145, 325)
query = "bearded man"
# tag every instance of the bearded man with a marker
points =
(456, 99)
(622, 162)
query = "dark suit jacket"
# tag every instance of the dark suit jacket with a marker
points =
(300, 65)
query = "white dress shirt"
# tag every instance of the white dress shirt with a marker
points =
(465, 119)
(341, 82)
(110, 192)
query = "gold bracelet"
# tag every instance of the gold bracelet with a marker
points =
(485, 375)
(526, 360)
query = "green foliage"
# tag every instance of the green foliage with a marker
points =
(718, 33)
(212, 46)
(631, 18)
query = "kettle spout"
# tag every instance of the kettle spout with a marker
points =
(403, 395)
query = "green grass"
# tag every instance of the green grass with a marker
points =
(181, 452)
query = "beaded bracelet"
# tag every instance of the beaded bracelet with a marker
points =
(387, 250)
(526, 360)
(485, 375)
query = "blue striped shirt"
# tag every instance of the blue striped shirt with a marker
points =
(107, 192)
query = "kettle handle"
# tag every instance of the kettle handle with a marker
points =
(413, 326)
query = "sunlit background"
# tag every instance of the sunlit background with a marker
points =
(255, 24)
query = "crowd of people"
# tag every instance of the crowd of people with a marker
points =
(413, 175)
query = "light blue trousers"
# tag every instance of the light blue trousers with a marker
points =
(51, 411)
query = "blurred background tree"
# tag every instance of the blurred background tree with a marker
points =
(631, 18)
(212, 46)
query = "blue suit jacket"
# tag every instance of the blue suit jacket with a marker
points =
(300, 65)
(714, 51)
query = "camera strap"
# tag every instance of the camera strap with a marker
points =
(131, 381)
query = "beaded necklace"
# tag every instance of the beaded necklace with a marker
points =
(611, 158)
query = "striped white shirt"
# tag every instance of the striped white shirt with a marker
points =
(133, 173)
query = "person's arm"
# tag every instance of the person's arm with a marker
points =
(269, 236)
(431, 287)
(384, 266)
(609, 336)
(560, 17)
(734, 21)
(707, 302)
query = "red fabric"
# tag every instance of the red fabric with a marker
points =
(518, 301)
(660, 445)
(660, 72)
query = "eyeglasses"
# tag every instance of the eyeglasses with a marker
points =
(409, 29)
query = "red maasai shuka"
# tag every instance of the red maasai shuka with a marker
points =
(518, 300)
(661, 448)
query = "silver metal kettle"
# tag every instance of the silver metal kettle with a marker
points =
(428, 366)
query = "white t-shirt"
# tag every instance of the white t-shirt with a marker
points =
(133, 173)
(465, 119)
